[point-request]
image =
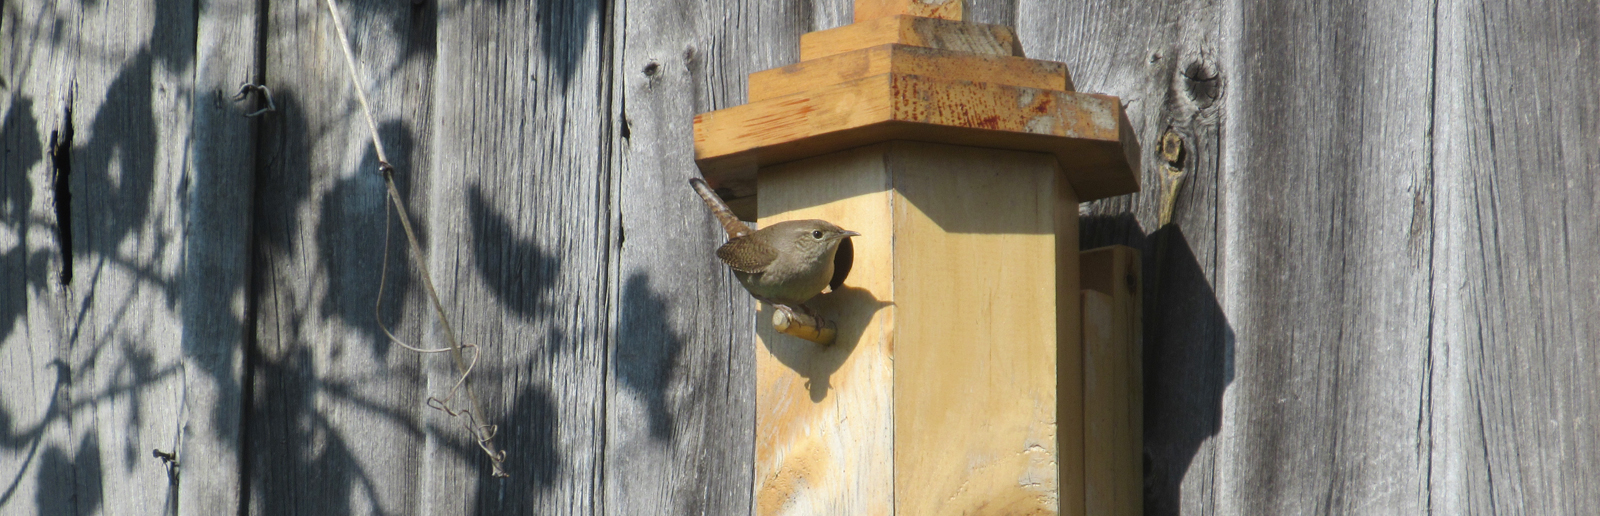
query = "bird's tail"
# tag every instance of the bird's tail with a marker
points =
(730, 223)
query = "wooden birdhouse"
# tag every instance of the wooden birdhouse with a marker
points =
(956, 383)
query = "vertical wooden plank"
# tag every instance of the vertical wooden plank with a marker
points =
(1163, 60)
(520, 238)
(124, 76)
(37, 447)
(680, 395)
(1326, 251)
(988, 397)
(1113, 401)
(825, 415)
(1515, 409)
(336, 421)
(221, 165)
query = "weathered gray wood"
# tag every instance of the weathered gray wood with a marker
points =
(1160, 59)
(37, 445)
(337, 422)
(680, 400)
(1325, 246)
(1377, 294)
(117, 77)
(521, 239)
(221, 180)
(1515, 400)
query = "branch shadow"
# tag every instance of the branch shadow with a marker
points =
(1188, 353)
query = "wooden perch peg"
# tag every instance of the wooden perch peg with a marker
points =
(805, 326)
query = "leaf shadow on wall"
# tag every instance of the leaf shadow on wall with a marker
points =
(418, 23)
(1188, 353)
(23, 151)
(82, 470)
(351, 245)
(520, 275)
(528, 436)
(647, 358)
(297, 458)
(514, 268)
(564, 32)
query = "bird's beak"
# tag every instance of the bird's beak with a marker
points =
(848, 234)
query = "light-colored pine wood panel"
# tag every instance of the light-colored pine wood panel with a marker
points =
(1087, 132)
(980, 348)
(824, 414)
(1113, 404)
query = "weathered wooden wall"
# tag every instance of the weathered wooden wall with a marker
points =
(1378, 292)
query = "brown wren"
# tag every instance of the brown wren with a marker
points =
(785, 264)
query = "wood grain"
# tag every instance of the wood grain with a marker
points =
(1325, 274)
(958, 393)
(98, 248)
(825, 421)
(1113, 400)
(1376, 294)
(216, 248)
(520, 216)
(1085, 131)
(680, 399)
(1513, 407)
(987, 365)
(336, 419)
(38, 445)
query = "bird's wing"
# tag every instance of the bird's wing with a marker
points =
(747, 256)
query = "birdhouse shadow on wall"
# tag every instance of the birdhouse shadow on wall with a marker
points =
(956, 379)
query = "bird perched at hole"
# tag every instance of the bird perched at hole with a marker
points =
(785, 264)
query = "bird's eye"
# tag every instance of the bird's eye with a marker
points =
(817, 234)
